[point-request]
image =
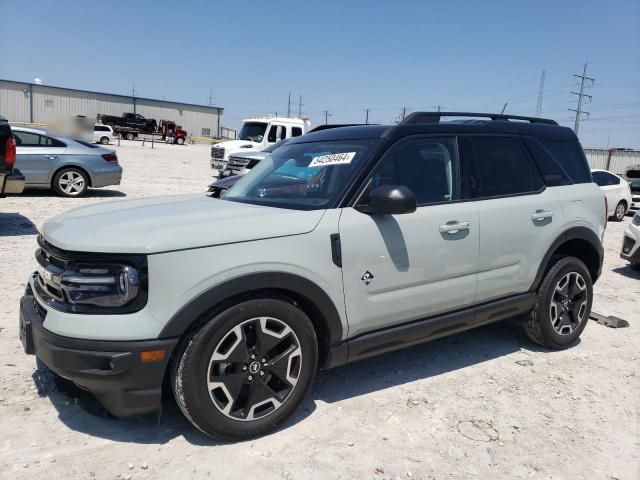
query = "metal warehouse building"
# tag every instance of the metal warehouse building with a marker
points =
(36, 103)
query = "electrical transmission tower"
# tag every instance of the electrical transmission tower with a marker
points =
(540, 94)
(583, 79)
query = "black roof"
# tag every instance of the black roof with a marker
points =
(424, 122)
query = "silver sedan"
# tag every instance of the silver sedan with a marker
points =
(69, 166)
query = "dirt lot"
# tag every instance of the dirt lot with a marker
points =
(479, 405)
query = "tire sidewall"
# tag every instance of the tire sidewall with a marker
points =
(201, 410)
(621, 217)
(58, 189)
(560, 269)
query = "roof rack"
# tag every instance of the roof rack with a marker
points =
(434, 117)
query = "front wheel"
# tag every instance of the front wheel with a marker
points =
(180, 140)
(247, 369)
(563, 305)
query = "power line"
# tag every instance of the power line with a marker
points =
(581, 96)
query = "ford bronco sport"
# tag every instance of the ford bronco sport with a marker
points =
(343, 244)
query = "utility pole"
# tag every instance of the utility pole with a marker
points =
(327, 114)
(133, 96)
(540, 94)
(211, 98)
(404, 113)
(504, 108)
(300, 107)
(581, 96)
(366, 118)
(289, 106)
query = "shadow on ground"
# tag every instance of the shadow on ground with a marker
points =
(91, 193)
(628, 272)
(81, 412)
(16, 225)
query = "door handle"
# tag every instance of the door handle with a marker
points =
(541, 215)
(51, 157)
(454, 227)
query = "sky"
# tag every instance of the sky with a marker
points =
(342, 56)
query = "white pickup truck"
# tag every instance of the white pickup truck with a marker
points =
(255, 135)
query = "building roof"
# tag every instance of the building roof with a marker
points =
(114, 94)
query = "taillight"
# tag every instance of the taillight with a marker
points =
(110, 157)
(10, 151)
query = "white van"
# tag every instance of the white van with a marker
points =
(255, 135)
(102, 134)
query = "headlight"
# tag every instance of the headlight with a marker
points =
(636, 218)
(81, 282)
(109, 285)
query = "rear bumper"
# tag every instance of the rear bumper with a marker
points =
(112, 371)
(105, 178)
(12, 183)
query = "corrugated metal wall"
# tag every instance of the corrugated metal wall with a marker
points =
(14, 101)
(52, 103)
(615, 161)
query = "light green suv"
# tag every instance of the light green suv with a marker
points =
(343, 244)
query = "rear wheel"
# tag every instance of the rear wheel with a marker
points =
(247, 369)
(562, 306)
(70, 182)
(130, 136)
(104, 140)
(621, 211)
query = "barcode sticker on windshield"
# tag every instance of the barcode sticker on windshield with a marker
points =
(333, 159)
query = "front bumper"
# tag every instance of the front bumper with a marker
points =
(112, 370)
(635, 203)
(12, 183)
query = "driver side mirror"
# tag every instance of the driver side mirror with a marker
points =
(390, 200)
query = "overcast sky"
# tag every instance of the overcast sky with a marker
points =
(341, 56)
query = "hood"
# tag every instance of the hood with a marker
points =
(160, 224)
(232, 146)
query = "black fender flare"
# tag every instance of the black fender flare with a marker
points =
(573, 233)
(299, 286)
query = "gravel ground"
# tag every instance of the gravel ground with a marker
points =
(483, 404)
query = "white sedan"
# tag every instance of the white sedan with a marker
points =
(617, 192)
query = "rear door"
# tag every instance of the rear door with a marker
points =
(519, 216)
(37, 156)
(398, 268)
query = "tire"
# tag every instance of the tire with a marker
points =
(224, 391)
(129, 136)
(104, 140)
(180, 141)
(621, 211)
(548, 324)
(70, 182)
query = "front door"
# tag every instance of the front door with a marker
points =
(36, 156)
(399, 268)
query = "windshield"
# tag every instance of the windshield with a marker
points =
(304, 176)
(252, 131)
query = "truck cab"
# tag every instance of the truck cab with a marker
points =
(255, 135)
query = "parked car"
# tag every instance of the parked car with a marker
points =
(11, 179)
(632, 175)
(617, 191)
(102, 134)
(348, 243)
(69, 166)
(242, 162)
(220, 187)
(631, 242)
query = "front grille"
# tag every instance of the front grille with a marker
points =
(217, 153)
(237, 162)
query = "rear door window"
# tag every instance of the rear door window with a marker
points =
(504, 168)
(27, 139)
(273, 134)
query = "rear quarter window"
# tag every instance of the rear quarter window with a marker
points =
(569, 155)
